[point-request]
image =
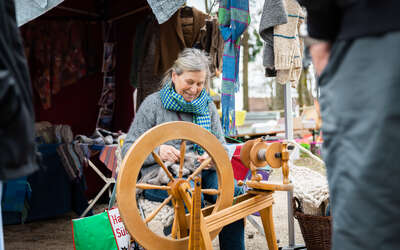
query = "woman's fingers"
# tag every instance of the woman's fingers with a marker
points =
(169, 153)
(203, 157)
(173, 157)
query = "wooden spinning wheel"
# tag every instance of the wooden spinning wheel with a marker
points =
(179, 190)
(196, 229)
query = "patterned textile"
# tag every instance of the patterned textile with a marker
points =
(164, 9)
(107, 98)
(233, 16)
(56, 53)
(288, 45)
(108, 157)
(72, 158)
(199, 107)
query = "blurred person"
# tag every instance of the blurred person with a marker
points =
(356, 55)
(17, 145)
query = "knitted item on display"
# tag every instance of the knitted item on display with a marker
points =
(288, 46)
(233, 16)
(273, 14)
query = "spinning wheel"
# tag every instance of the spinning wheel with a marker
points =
(196, 229)
(179, 189)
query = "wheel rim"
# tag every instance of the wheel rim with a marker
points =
(131, 165)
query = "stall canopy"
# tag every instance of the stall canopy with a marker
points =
(28, 10)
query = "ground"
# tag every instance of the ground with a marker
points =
(56, 234)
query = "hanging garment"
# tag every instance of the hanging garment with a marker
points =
(148, 80)
(139, 43)
(273, 14)
(217, 47)
(164, 9)
(107, 97)
(60, 49)
(55, 54)
(42, 63)
(233, 16)
(212, 42)
(288, 45)
(172, 40)
(74, 61)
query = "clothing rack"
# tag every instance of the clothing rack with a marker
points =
(129, 13)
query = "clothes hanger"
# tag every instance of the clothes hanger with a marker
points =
(186, 11)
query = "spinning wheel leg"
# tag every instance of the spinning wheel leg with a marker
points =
(268, 223)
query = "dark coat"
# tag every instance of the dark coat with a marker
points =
(172, 40)
(17, 145)
(349, 19)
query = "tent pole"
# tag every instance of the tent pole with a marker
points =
(78, 11)
(289, 137)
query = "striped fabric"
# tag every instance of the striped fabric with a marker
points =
(108, 157)
(72, 159)
(233, 16)
(198, 107)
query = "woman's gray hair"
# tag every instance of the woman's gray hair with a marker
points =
(189, 60)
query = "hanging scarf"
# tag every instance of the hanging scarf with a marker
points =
(198, 107)
(233, 16)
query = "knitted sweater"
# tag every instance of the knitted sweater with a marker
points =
(288, 46)
(273, 14)
(152, 113)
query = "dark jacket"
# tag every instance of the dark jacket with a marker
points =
(17, 146)
(349, 19)
(172, 40)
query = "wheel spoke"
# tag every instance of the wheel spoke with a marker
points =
(209, 191)
(175, 224)
(150, 186)
(200, 168)
(159, 161)
(155, 212)
(182, 159)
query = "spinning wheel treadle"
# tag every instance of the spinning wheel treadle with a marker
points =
(179, 189)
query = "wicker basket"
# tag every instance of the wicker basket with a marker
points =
(316, 230)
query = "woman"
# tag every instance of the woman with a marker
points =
(184, 97)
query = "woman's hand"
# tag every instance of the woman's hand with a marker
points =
(204, 157)
(320, 53)
(169, 153)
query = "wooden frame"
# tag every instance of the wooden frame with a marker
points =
(202, 224)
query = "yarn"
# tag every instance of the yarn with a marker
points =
(311, 188)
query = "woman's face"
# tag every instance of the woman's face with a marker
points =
(189, 84)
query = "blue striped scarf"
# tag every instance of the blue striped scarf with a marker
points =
(198, 107)
(233, 16)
